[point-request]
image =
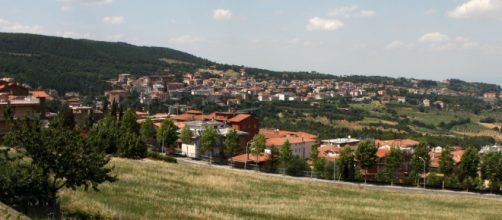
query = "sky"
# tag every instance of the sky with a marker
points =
(426, 39)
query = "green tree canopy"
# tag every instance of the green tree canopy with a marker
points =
(285, 154)
(128, 122)
(147, 129)
(258, 144)
(166, 134)
(392, 163)
(231, 143)
(469, 164)
(186, 135)
(345, 164)
(366, 155)
(491, 169)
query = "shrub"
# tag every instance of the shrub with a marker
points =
(297, 167)
(157, 156)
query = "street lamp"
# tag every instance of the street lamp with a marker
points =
(334, 168)
(247, 155)
(424, 170)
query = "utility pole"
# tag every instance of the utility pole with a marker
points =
(334, 169)
(247, 156)
(424, 170)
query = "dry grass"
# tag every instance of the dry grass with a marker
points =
(155, 190)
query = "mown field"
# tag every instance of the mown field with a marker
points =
(157, 190)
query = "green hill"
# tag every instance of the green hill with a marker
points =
(149, 189)
(83, 65)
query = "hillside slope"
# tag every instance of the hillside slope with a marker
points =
(83, 65)
(156, 190)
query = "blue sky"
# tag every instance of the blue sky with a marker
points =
(427, 39)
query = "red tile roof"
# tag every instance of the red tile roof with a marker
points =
(39, 94)
(239, 117)
(276, 142)
(382, 152)
(403, 143)
(262, 157)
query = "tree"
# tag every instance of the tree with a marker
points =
(114, 109)
(285, 154)
(318, 165)
(446, 163)
(186, 135)
(417, 164)
(345, 164)
(469, 164)
(491, 169)
(392, 163)
(366, 156)
(208, 141)
(166, 134)
(104, 134)
(231, 143)
(128, 122)
(258, 144)
(65, 118)
(147, 129)
(314, 152)
(56, 158)
(131, 145)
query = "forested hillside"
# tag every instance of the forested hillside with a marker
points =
(84, 65)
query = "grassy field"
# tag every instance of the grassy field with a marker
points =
(156, 190)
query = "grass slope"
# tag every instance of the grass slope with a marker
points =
(155, 190)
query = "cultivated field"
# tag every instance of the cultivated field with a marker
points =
(157, 190)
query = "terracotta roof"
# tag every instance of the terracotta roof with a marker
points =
(39, 94)
(325, 150)
(194, 112)
(157, 124)
(396, 143)
(179, 124)
(275, 142)
(270, 133)
(142, 113)
(382, 152)
(239, 118)
(262, 157)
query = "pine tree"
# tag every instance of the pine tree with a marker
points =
(345, 164)
(285, 154)
(128, 122)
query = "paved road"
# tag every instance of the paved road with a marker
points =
(340, 183)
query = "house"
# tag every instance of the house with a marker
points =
(440, 104)
(435, 156)
(401, 99)
(22, 106)
(406, 144)
(490, 95)
(197, 128)
(116, 95)
(342, 142)
(301, 142)
(427, 103)
(329, 151)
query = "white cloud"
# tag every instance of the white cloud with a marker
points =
(477, 8)
(69, 5)
(317, 23)
(185, 39)
(399, 45)
(351, 11)
(9, 26)
(441, 42)
(222, 14)
(75, 35)
(115, 37)
(113, 20)
(434, 37)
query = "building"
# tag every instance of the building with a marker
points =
(116, 95)
(197, 128)
(427, 103)
(301, 142)
(342, 142)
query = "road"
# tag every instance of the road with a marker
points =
(340, 183)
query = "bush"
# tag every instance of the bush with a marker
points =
(434, 180)
(162, 157)
(297, 167)
(382, 176)
(453, 182)
(488, 120)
